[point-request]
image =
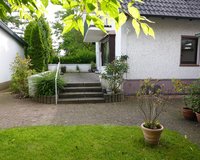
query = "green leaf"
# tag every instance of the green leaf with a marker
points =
(90, 7)
(136, 26)
(143, 18)
(98, 23)
(145, 28)
(45, 2)
(134, 12)
(121, 20)
(151, 32)
(73, 4)
(110, 7)
(69, 18)
(68, 27)
(80, 25)
(56, 2)
(69, 23)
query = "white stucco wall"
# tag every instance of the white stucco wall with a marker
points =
(8, 49)
(118, 48)
(159, 58)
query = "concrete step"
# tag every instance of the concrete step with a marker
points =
(82, 84)
(82, 89)
(81, 100)
(80, 94)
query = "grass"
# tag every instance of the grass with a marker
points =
(91, 143)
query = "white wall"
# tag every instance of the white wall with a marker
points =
(8, 49)
(159, 58)
(98, 56)
(71, 67)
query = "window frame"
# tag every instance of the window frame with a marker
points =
(197, 52)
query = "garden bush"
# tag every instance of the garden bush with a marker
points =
(114, 73)
(39, 48)
(45, 85)
(20, 72)
(80, 58)
(192, 100)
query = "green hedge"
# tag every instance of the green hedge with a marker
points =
(81, 58)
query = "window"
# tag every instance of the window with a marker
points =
(105, 52)
(189, 50)
(108, 49)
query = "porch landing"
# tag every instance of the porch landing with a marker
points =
(81, 78)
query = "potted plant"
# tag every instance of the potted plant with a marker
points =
(93, 66)
(151, 103)
(63, 69)
(181, 87)
(77, 68)
(193, 98)
(113, 74)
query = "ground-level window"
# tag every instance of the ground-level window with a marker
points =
(189, 50)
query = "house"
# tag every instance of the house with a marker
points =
(173, 54)
(10, 45)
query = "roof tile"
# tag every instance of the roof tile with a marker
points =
(169, 8)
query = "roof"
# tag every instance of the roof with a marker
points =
(12, 34)
(169, 8)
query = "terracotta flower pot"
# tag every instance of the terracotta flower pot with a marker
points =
(152, 136)
(189, 114)
(198, 116)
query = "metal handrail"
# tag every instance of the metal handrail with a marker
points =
(56, 79)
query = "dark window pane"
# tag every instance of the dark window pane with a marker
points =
(189, 50)
(105, 52)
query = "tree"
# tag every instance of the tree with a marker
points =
(38, 37)
(95, 11)
(72, 41)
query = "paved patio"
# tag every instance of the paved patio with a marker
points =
(24, 112)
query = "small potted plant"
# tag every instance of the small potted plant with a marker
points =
(182, 88)
(93, 66)
(77, 68)
(63, 69)
(151, 103)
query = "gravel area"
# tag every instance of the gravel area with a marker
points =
(24, 112)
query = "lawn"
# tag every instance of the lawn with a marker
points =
(91, 143)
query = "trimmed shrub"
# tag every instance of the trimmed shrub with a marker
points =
(20, 72)
(81, 58)
(45, 85)
(38, 37)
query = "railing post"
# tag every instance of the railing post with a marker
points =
(56, 87)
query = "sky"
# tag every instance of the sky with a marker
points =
(50, 15)
(51, 9)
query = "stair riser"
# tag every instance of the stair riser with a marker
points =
(80, 95)
(82, 90)
(83, 85)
